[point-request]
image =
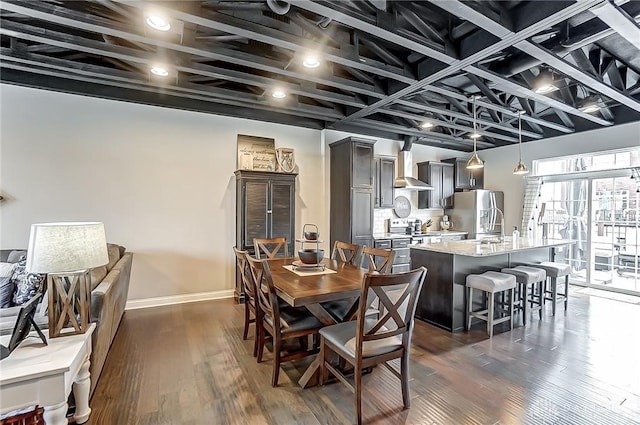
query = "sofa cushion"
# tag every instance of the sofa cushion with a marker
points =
(114, 255)
(6, 284)
(15, 255)
(97, 274)
(27, 284)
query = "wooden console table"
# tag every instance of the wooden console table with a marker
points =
(35, 374)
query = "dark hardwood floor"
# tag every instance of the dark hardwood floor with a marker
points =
(188, 364)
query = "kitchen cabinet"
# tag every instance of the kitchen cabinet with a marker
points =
(265, 208)
(402, 258)
(385, 170)
(441, 177)
(352, 194)
(465, 179)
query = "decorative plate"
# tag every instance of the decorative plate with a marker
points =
(402, 206)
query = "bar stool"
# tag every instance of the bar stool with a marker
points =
(491, 283)
(526, 277)
(554, 271)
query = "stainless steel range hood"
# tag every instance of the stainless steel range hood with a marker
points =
(405, 169)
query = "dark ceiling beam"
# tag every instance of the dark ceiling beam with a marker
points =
(464, 11)
(383, 53)
(89, 23)
(436, 122)
(227, 97)
(531, 118)
(577, 74)
(232, 25)
(138, 57)
(454, 65)
(583, 62)
(418, 23)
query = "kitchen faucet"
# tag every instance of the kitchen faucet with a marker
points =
(501, 221)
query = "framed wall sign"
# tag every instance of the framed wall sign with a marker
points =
(256, 153)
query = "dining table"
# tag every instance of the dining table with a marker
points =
(309, 289)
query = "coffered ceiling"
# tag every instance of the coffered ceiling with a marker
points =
(385, 67)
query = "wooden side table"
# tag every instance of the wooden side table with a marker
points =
(35, 374)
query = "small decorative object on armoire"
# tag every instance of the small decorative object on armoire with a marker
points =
(67, 252)
(256, 153)
(286, 160)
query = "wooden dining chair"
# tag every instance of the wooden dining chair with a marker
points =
(369, 341)
(376, 259)
(346, 252)
(250, 312)
(278, 321)
(271, 247)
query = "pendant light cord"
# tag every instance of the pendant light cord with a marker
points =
(475, 131)
(520, 134)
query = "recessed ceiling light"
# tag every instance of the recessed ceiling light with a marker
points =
(160, 71)
(363, 60)
(279, 94)
(475, 135)
(590, 108)
(158, 22)
(311, 61)
(426, 124)
(547, 88)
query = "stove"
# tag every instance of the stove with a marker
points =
(405, 226)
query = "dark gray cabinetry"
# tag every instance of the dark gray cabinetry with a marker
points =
(385, 171)
(265, 208)
(352, 192)
(402, 258)
(441, 177)
(465, 179)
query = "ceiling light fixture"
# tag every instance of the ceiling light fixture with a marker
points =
(520, 168)
(311, 61)
(544, 82)
(158, 22)
(426, 125)
(474, 162)
(590, 107)
(160, 71)
(279, 94)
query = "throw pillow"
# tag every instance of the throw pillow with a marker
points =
(27, 284)
(6, 284)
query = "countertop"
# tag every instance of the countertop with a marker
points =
(429, 233)
(475, 248)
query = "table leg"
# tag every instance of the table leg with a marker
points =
(311, 375)
(56, 414)
(81, 388)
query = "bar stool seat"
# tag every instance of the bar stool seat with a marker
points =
(526, 277)
(555, 271)
(490, 283)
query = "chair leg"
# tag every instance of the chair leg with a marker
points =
(541, 298)
(490, 315)
(554, 295)
(524, 294)
(323, 358)
(358, 388)
(276, 360)
(256, 338)
(404, 377)
(469, 307)
(566, 292)
(246, 320)
(511, 304)
(261, 338)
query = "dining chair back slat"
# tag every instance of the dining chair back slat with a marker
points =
(346, 252)
(270, 248)
(376, 259)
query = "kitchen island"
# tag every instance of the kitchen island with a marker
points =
(442, 300)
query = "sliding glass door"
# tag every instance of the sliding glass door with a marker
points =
(602, 215)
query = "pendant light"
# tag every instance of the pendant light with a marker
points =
(474, 162)
(520, 168)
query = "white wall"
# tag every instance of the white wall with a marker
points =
(499, 162)
(160, 179)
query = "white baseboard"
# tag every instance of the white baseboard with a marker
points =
(178, 299)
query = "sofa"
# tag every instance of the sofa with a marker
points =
(109, 290)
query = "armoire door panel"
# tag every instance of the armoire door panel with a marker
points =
(255, 211)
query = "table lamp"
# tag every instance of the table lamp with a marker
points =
(67, 252)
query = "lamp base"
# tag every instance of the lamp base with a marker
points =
(69, 303)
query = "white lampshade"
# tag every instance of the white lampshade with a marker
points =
(66, 247)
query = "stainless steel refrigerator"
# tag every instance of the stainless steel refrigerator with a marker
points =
(479, 212)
